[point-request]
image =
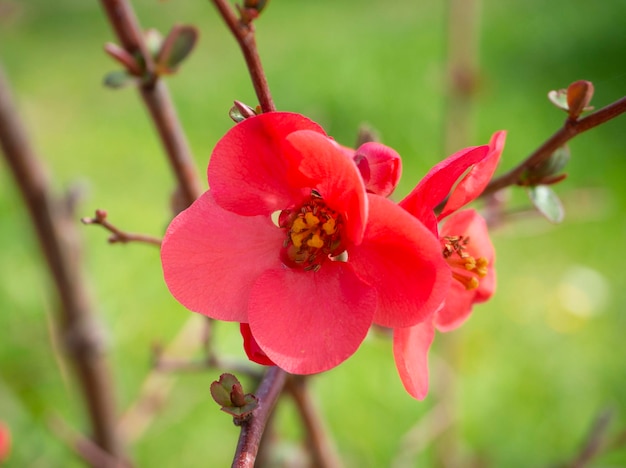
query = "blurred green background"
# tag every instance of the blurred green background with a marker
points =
(519, 385)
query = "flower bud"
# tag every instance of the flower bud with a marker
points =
(380, 167)
(579, 94)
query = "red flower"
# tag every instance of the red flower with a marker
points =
(465, 245)
(5, 442)
(334, 260)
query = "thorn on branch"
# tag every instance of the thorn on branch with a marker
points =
(117, 235)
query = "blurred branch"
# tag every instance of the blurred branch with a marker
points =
(244, 34)
(463, 24)
(252, 430)
(321, 447)
(157, 99)
(595, 441)
(117, 235)
(569, 130)
(58, 239)
(84, 447)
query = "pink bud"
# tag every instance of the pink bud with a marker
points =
(380, 167)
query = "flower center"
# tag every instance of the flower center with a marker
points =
(466, 269)
(313, 234)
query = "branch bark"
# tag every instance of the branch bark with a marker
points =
(244, 34)
(54, 225)
(157, 99)
(252, 430)
(569, 130)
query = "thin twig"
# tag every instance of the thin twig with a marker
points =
(157, 99)
(244, 34)
(117, 235)
(463, 25)
(570, 129)
(595, 441)
(53, 222)
(252, 430)
(323, 452)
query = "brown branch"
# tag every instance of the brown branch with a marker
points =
(244, 34)
(252, 430)
(157, 99)
(595, 441)
(570, 129)
(322, 451)
(118, 235)
(59, 242)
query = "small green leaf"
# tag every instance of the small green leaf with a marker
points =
(118, 79)
(559, 99)
(222, 388)
(251, 402)
(154, 41)
(551, 166)
(547, 202)
(177, 46)
(241, 111)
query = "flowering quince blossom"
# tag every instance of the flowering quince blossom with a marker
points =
(465, 245)
(288, 242)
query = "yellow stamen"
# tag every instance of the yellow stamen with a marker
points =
(470, 263)
(470, 282)
(329, 226)
(298, 225)
(481, 266)
(298, 237)
(315, 241)
(311, 219)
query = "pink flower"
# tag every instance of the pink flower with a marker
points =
(288, 241)
(465, 245)
(380, 167)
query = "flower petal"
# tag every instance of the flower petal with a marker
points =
(410, 350)
(402, 260)
(324, 167)
(308, 322)
(252, 348)
(456, 309)
(436, 185)
(211, 257)
(380, 167)
(473, 184)
(248, 171)
(459, 302)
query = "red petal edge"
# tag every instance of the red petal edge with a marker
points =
(436, 185)
(308, 322)
(252, 348)
(402, 260)
(410, 350)
(248, 171)
(323, 166)
(473, 184)
(211, 258)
